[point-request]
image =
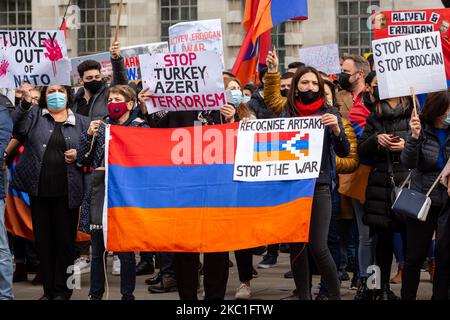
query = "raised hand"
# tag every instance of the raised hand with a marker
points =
(415, 125)
(115, 50)
(272, 62)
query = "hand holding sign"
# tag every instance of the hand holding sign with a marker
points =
(25, 89)
(330, 120)
(228, 111)
(115, 50)
(143, 97)
(415, 125)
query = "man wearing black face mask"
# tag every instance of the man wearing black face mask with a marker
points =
(90, 100)
(355, 105)
(351, 80)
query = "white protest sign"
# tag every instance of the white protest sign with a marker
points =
(131, 60)
(279, 149)
(323, 58)
(413, 61)
(197, 36)
(37, 57)
(183, 81)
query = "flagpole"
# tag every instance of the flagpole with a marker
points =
(116, 32)
(65, 13)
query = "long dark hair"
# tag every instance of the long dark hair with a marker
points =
(406, 103)
(435, 106)
(43, 99)
(293, 93)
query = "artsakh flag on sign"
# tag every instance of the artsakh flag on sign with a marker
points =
(172, 190)
(404, 22)
(280, 146)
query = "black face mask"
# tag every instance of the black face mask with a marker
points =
(93, 86)
(344, 81)
(284, 93)
(309, 97)
(17, 101)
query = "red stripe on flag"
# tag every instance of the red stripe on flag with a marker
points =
(168, 147)
(64, 27)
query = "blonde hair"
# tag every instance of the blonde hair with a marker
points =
(361, 63)
(124, 90)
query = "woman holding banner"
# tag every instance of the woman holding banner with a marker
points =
(426, 152)
(383, 140)
(307, 98)
(47, 172)
(91, 152)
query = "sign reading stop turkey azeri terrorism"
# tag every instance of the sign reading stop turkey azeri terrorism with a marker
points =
(279, 149)
(183, 81)
(37, 57)
(414, 61)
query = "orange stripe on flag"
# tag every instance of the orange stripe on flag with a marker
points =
(207, 229)
(18, 217)
(18, 220)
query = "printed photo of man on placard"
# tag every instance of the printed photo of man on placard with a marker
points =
(443, 28)
(380, 21)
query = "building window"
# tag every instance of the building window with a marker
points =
(174, 11)
(15, 14)
(278, 33)
(354, 35)
(95, 30)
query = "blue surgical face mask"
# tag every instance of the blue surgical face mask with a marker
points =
(446, 121)
(56, 101)
(238, 96)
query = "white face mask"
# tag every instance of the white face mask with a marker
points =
(246, 99)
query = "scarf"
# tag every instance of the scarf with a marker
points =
(305, 110)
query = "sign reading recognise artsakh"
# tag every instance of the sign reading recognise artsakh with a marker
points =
(279, 149)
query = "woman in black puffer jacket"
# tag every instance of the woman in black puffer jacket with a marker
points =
(426, 151)
(383, 141)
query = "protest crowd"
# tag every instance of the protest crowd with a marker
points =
(55, 144)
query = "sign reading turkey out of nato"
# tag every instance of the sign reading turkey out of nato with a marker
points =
(279, 149)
